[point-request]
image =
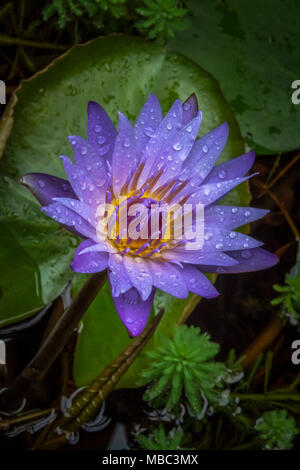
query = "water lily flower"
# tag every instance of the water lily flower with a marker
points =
(157, 161)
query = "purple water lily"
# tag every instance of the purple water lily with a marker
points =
(155, 162)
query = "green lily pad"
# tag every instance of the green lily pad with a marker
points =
(252, 48)
(119, 72)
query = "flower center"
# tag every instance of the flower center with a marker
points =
(141, 221)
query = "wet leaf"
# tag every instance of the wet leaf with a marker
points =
(250, 49)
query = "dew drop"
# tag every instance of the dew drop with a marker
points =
(222, 174)
(169, 126)
(98, 128)
(205, 148)
(101, 140)
(42, 183)
(208, 236)
(234, 210)
(83, 151)
(177, 146)
(103, 150)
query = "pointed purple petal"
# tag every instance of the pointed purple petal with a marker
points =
(82, 184)
(133, 311)
(125, 157)
(204, 155)
(101, 131)
(197, 282)
(167, 278)
(100, 245)
(161, 138)
(80, 208)
(174, 154)
(196, 257)
(252, 260)
(70, 220)
(230, 217)
(190, 109)
(147, 122)
(256, 259)
(234, 168)
(92, 166)
(217, 239)
(118, 277)
(90, 262)
(45, 187)
(139, 274)
(209, 193)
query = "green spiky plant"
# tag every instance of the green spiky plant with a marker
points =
(277, 429)
(159, 440)
(290, 292)
(161, 18)
(68, 10)
(290, 296)
(183, 365)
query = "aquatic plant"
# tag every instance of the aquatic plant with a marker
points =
(277, 429)
(184, 365)
(153, 166)
(161, 18)
(289, 296)
(67, 10)
(160, 440)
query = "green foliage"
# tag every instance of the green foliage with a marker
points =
(69, 10)
(161, 18)
(277, 429)
(159, 440)
(255, 59)
(183, 364)
(290, 296)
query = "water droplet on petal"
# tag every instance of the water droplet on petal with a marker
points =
(42, 183)
(103, 150)
(169, 126)
(208, 236)
(232, 234)
(98, 128)
(222, 174)
(234, 210)
(83, 151)
(205, 148)
(101, 140)
(177, 146)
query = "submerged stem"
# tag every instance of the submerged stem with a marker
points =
(54, 343)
